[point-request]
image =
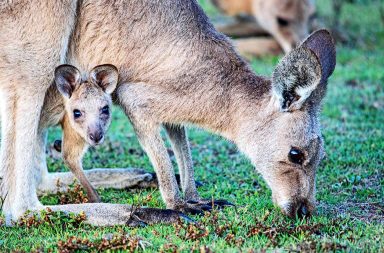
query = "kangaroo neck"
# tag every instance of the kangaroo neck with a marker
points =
(229, 98)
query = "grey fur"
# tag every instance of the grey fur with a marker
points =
(175, 68)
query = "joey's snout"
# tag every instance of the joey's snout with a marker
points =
(95, 136)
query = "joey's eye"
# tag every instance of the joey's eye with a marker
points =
(282, 22)
(76, 114)
(296, 156)
(105, 110)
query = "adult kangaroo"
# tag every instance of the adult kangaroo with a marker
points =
(175, 68)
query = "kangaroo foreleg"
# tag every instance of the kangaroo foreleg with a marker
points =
(152, 143)
(179, 141)
(180, 145)
(74, 147)
(147, 129)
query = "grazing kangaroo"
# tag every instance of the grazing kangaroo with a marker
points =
(83, 110)
(174, 69)
(286, 20)
(274, 122)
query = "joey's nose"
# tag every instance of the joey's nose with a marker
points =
(96, 137)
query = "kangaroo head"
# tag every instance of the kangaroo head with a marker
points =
(88, 103)
(283, 139)
(286, 20)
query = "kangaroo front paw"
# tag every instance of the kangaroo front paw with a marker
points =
(145, 216)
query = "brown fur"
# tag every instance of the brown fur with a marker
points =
(175, 69)
(286, 20)
(160, 86)
(89, 97)
(73, 150)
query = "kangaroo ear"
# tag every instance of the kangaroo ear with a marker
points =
(106, 76)
(67, 78)
(304, 70)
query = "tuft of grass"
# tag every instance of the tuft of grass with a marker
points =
(350, 182)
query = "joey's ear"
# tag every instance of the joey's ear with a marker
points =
(304, 70)
(106, 76)
(67, 78)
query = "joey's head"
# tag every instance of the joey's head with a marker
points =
(88, 103)
(286, 20)
(282, 137)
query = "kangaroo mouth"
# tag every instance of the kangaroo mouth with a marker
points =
(298, 209)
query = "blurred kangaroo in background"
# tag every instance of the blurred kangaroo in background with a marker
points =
(286, 20)
(174, 69)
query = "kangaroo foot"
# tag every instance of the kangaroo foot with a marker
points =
(198, 207)
(145, 216)
(103, 214)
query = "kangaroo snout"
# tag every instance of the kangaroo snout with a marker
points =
(295, 206)
(300, 208)
(96, 136)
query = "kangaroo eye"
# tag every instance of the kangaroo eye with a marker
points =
(296, 156)
(76, 114)
(105, 110)
(282, 22)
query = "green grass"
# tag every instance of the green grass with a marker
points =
(350, 182)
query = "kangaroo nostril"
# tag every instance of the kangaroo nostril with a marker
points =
(99, 137)
(96, 137)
